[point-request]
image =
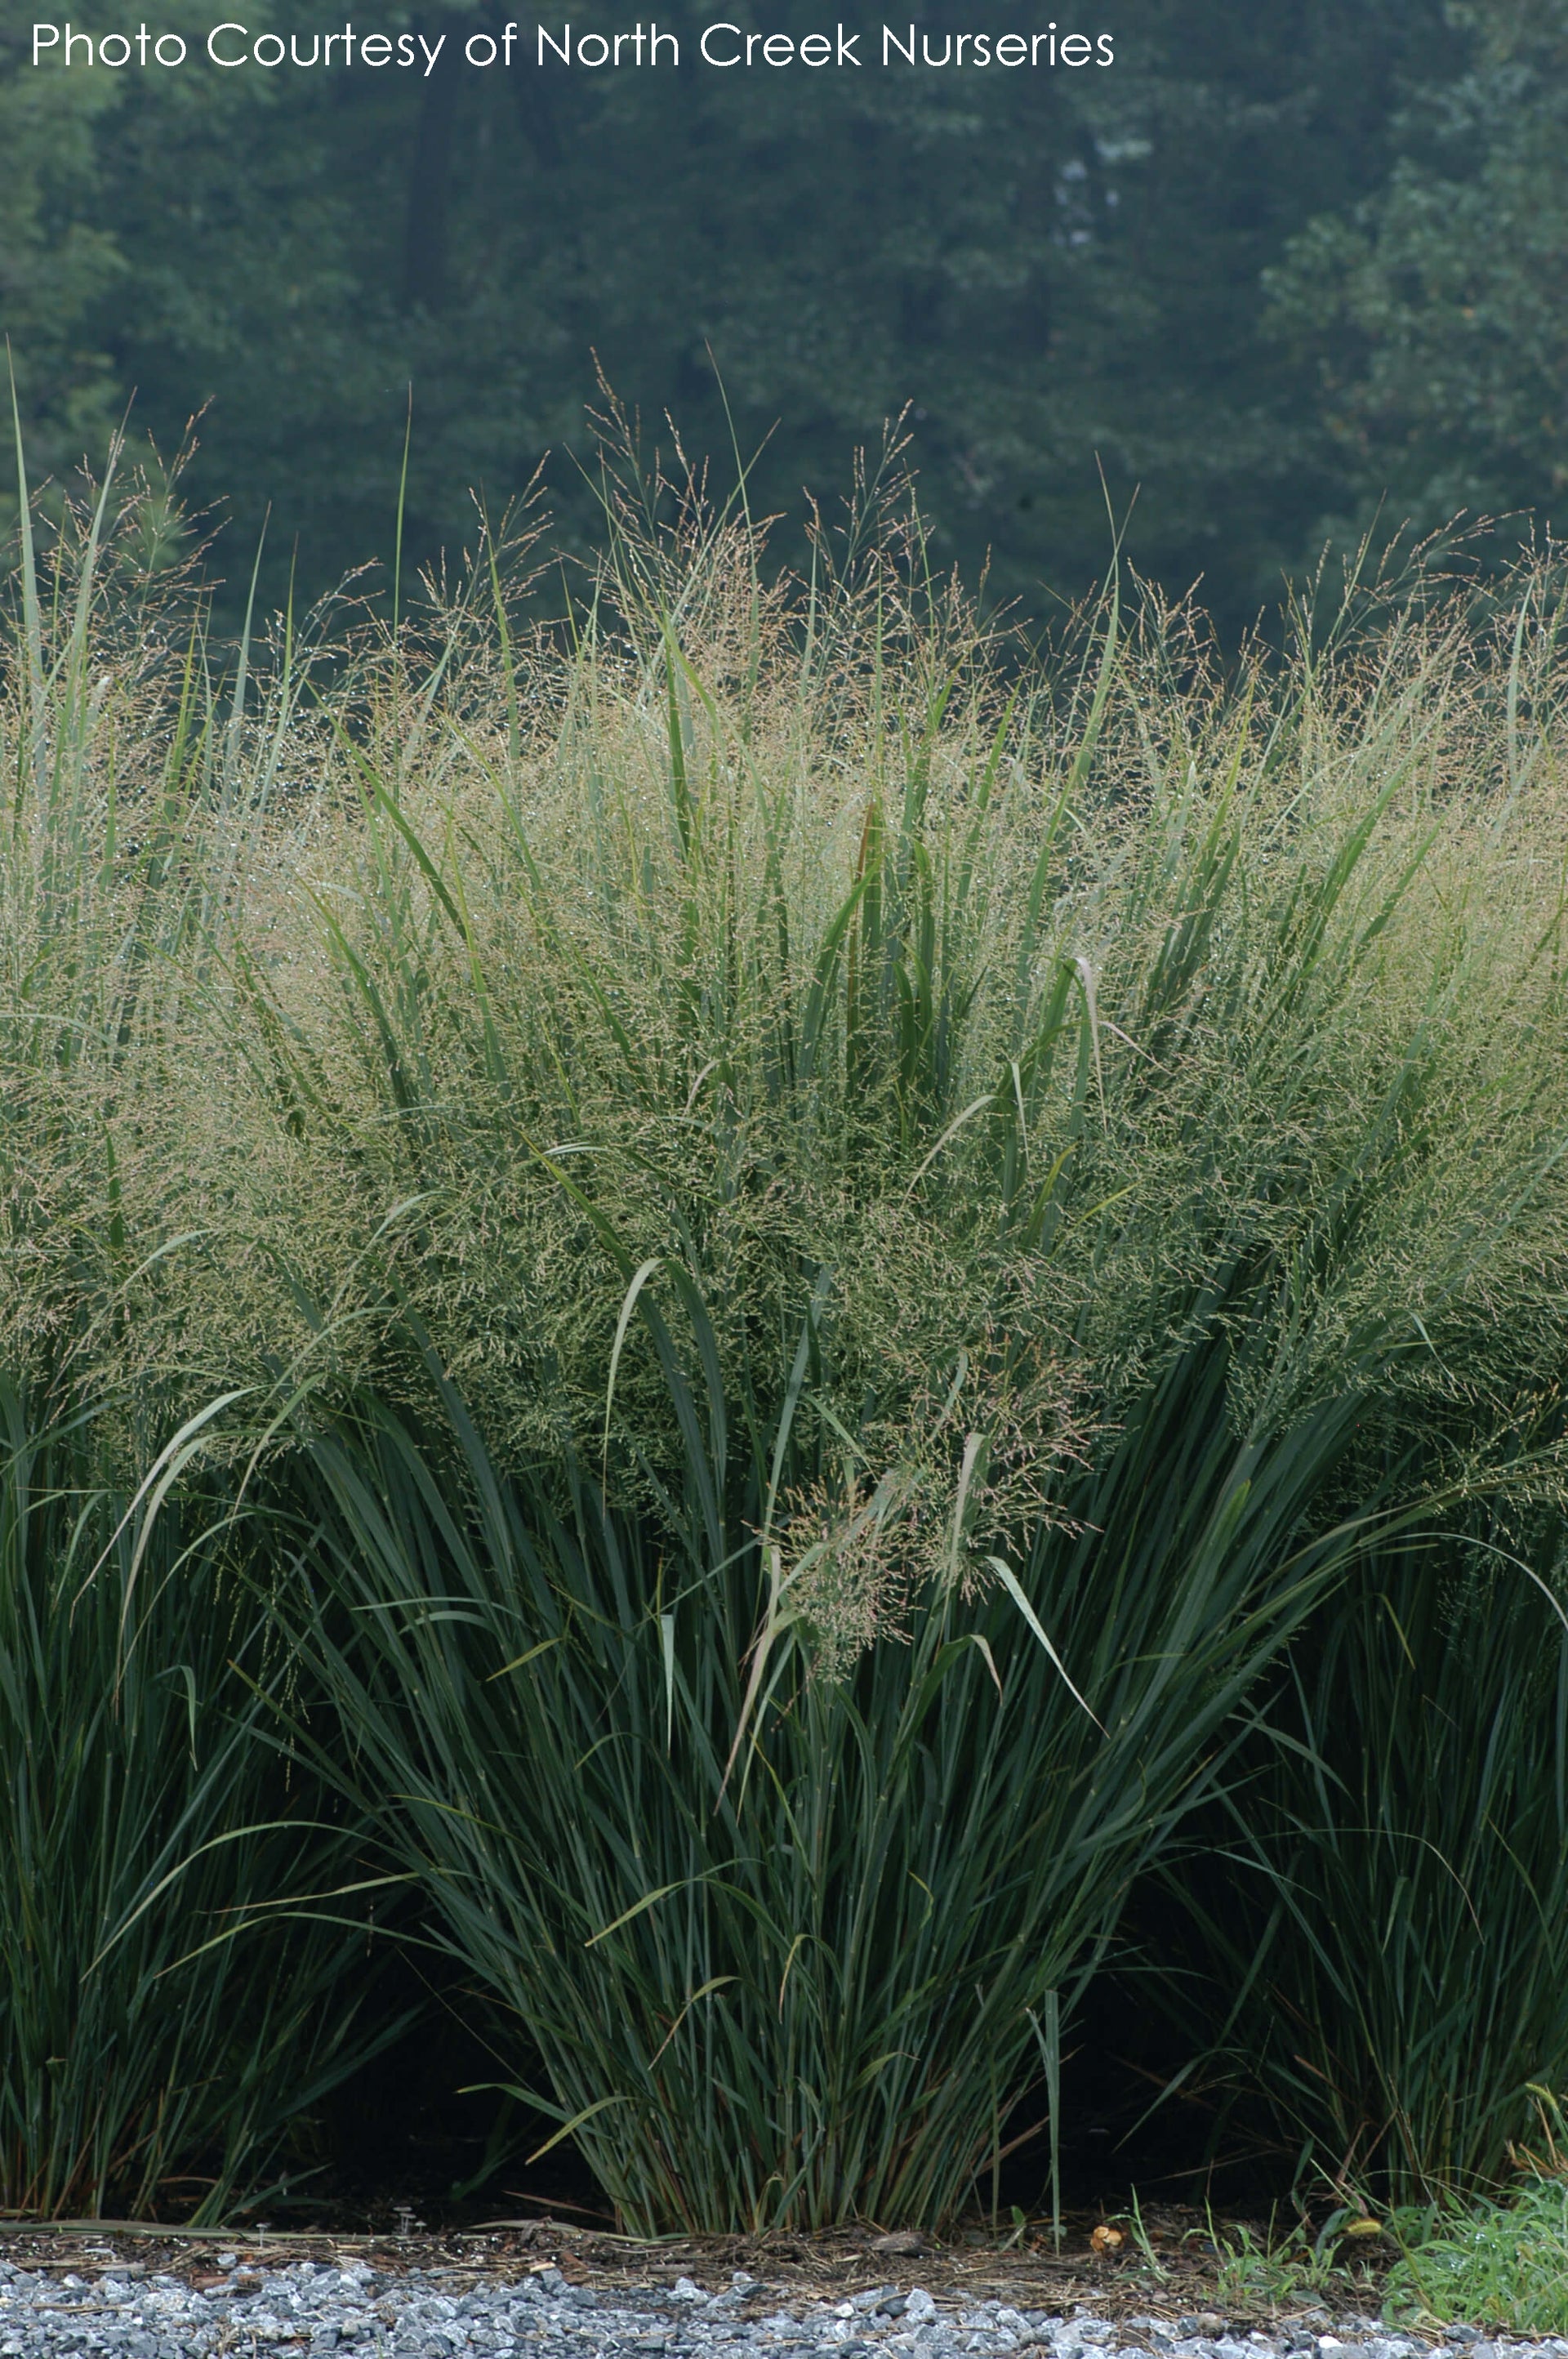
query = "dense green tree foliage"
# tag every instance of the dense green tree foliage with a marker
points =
(1271, 266)
(56, 262)
(1431, 312)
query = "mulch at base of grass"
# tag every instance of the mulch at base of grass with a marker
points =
(973, 2263)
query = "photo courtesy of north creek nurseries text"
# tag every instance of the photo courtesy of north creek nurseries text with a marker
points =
(721, 45)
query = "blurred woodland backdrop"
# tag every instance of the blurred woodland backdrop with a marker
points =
(1282, 270)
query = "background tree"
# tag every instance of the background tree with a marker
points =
(1218, 270)
(57, 264)
(1432, 314)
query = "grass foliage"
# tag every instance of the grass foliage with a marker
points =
(813, 1239)
(1501, 2263)
(1506, 2264)
(162, 2030)
(1394, 1951)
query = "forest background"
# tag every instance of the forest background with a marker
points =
(1284, 272)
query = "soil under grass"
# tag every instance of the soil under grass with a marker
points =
(973, 2263)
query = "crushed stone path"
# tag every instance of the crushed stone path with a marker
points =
(240, 2309)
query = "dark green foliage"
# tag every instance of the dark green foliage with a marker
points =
(1053, 270)
(1392, 1941)
(1430, 313)
(786, 1939)
(166, 2022)
(58, 262)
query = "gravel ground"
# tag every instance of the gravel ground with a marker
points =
(232, 2303)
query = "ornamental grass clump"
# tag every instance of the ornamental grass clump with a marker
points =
(165, 2026)
(185, 1967)
(1389, 1968)
(818, 1236)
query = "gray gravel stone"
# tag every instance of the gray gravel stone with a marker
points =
(307, 2311)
